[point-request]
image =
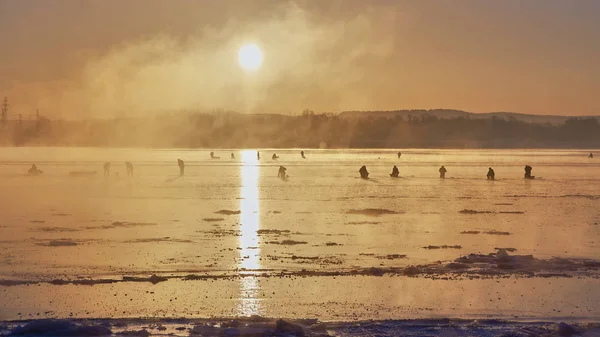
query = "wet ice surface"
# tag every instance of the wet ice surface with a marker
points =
(234, 235)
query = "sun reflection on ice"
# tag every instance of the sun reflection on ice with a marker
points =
(249, 224)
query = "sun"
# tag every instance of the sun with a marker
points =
(250, 57)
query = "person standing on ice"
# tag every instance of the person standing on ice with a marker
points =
(443, 172)
(491, 175)
(591, 155)
(107, 169)
(181, 166)
(129, 167)
(257, 155)
(395, 172)
(302, 154)
(399, 154)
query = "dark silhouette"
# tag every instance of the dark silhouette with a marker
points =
(443, 172)
(181, 166)
(395, 172)
(274, 157)
(129, 167)
(491, 175)
(528, 172)
(363, 172)
(33, 171)
(232, 155)
(282, 173)
(107, 169)
(591, 155)
(257, 155)
(212, 156)
(399, 154)
(302, 154)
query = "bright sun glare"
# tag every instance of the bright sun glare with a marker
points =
(250, 57)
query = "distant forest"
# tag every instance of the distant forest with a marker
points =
(309, 130)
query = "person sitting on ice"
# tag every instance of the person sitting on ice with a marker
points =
(491, 175)
(528, 172)
(363, 172)
(591, 155)
(395, 172)
(212, 156)
(443, 172)
(34, 170)
(274, 157)
(282, 173)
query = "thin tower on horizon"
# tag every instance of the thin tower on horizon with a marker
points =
(4, 110)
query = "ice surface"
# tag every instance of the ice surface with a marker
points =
(233, 222)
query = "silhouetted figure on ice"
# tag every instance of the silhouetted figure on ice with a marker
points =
(591, 155)
(302, 154)
(212, 156)
(181, 166)
(129, 167)
(528, 172)
(107, 169)
(232, 155)
(395, 172)
(491, 175)
(363, 172)
(443, 172)
(282, 173)
(274, 157)
(33, 171)
(257, 155)
(399, 154)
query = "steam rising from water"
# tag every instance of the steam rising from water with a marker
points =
(308, 61)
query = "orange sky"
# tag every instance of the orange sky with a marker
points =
(89, 58)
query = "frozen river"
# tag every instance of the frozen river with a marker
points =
(231, 239)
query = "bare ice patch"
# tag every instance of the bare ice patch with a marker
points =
(491, 232)
(213, 219)
(443, 247)
(472, 211)
(58, 243)
(364, 222)
(373, 211)
(56, 229)
(272, 232)
(227, 212)
(391, 256)
(164, 239)
(122, 224)
(287, 242)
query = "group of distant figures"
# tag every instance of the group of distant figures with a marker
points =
(282, 173)
(491, 175)
(274, 156)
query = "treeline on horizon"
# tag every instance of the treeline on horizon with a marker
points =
(309, 130)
